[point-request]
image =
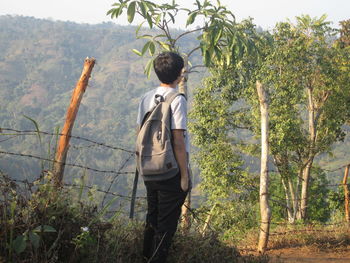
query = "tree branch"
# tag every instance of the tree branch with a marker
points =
(197, 66)
(188, 32)
(192, 51)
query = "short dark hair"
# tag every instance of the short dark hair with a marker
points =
(168, 66)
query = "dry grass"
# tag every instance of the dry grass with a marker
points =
(315, 237)
(318, 236)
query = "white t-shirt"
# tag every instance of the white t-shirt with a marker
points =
(178, 110)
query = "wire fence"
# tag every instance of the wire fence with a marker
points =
(15, 133)
(37, 182)
(111, 174)
(65, 163)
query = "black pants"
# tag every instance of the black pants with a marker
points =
(164, 200)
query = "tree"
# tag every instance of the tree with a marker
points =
(265, 210)
(305, 75)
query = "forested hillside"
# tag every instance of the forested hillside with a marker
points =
(40, 63)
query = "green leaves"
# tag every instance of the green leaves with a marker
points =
(34, 239)
(152, 48)
(191, 18)
(218, 32)
(153, 14)
(30, 237)
(137, 52)
(148, 67)
(44, 229)
(145, 47)
(131, 12)
(20, 244)
(118, 10)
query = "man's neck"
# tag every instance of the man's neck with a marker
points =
(171, 85)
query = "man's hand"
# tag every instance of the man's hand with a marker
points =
(184, 183)
(181, 157)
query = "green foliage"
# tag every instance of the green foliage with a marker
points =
(21, 241)
(344, 39)
(216, 116)
(322, 200)
(220, 40)
(304, 75)
(67, 237)
(217, 159)
(300, 59)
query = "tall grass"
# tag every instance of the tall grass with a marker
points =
(51, 225)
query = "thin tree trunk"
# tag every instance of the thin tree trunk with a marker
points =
(63, 144)
(304, 191)
(297, 199)
(288, 201)
(309, 161)
(346, 194)
(282, 164)
(294, 201)
(264, 174)
(185, 217)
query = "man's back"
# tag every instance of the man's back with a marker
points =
(178, 110)
(165, 197)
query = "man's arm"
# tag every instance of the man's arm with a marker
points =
(181, 156)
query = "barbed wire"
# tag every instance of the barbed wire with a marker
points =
(7, 139)
(34, 132)
(83, 146)
(337, 169)
(75, 186)
(115, 177)
(30, 184)
(119, 172)
(195, 215)
(101, 191)
(64, 163)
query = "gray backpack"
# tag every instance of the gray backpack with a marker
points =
(155, 158)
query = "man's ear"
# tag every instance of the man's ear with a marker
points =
(179, 78)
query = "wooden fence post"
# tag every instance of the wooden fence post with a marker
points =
(265, 211)
(133, 195)
(63, 144)
(346, 193)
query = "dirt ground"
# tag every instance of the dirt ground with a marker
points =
(306, 254)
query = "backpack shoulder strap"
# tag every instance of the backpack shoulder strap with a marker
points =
(169, 99)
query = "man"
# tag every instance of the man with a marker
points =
(166, 197)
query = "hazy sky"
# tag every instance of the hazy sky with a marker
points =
(265, 12)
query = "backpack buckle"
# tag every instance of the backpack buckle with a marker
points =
(158, 98)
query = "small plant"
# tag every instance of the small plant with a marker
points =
(31, 238)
